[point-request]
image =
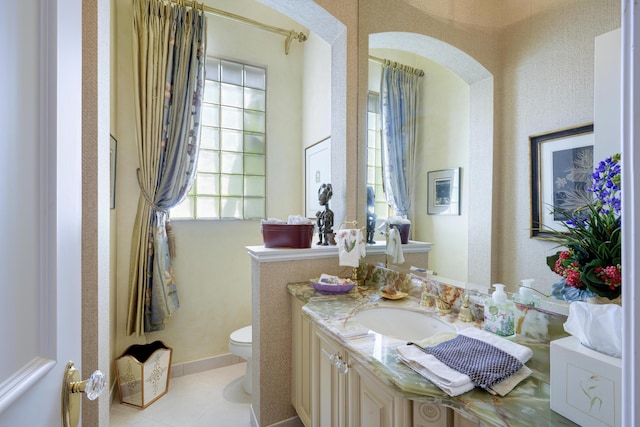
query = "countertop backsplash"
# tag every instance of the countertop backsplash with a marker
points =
(538, 324)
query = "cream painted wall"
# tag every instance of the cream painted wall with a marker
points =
(548, 84)
(446, 137)
(443, 142)
(212, 266)
(316, 96)
(316, 110)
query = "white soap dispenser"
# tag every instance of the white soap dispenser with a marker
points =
(526, 295)
(499, 313)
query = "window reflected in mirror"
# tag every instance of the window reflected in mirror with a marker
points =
(374, 157)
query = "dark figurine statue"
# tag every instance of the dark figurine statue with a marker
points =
(371, 216)
(325, 218)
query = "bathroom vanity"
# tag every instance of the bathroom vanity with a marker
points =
(331, 387)
(346, 375)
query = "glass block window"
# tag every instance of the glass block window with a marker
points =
(374, 155)
(230, 179)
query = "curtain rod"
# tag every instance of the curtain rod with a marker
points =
(289, 34)
(417, 71)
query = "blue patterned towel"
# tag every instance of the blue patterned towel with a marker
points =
(485, 364)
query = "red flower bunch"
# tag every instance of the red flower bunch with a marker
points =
(611, 275)
(568, 267)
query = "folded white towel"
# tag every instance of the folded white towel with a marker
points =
(394, 247)
(351, 246)
(455, 383)
(504, 387)
(518, 351)
(448, 380)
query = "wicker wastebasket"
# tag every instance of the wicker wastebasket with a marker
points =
(143, 373)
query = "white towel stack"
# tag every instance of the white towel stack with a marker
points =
(351, 246)
(394, 247)
(455, 383)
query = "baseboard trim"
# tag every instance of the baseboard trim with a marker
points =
(253, 419)
(291, 422)
(195, 366)
(113, 393)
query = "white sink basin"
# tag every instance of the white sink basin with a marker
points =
(403, 324)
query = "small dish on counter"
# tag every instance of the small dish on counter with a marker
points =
(397, 295)
(332, 288)
(391, 292)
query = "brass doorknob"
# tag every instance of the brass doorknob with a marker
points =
(71, 389)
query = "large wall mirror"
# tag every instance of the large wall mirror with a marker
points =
(454, 130)
(494, 75)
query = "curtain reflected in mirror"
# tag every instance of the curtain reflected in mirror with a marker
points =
(399, 94)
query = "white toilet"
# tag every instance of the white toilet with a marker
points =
(240, 345)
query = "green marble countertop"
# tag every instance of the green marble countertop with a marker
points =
(526, 405)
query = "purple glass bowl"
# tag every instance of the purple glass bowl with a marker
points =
(325, 288)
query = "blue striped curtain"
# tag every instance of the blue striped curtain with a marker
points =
(398, 110)
(169, 68)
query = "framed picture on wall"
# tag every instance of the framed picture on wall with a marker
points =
(317, 172)
(443, 192)
(561, 168)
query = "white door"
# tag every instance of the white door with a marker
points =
(40, 216)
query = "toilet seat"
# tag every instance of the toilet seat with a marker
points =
(242, 336)
(240, 344)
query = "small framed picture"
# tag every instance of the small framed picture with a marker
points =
(443, 192)
(317, 172)
(561, 168)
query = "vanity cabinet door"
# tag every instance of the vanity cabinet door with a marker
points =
(301, 362)
(329, 385)
(375, 404)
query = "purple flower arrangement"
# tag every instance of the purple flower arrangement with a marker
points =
(593, 237)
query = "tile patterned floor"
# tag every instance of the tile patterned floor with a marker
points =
(212, 398)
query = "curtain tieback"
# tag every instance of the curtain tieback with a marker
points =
(171, 238)
(147, 197)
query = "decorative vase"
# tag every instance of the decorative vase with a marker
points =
(561, 291)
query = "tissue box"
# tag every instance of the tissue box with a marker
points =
(586, 386)
(297, 236)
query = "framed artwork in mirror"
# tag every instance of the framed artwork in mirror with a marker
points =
(443, 192)
(561, 168)
(317, 172)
